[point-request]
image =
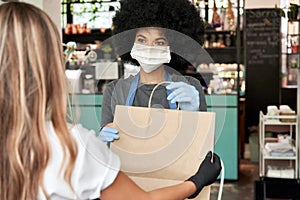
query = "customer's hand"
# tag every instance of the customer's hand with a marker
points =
(187, 95)
(207, 173)
(108, 134)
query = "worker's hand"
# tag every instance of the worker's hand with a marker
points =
(187, 95)
(108, 134)
(207, 173)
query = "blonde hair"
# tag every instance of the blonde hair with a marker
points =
(33, 90)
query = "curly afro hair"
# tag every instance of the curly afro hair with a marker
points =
(176, 15)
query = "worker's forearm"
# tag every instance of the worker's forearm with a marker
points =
(175, 192)
(124, 188)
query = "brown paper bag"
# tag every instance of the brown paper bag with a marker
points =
(162, 147)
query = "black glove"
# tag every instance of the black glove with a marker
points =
(207, 173)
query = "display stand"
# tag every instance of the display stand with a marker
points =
(275, 185)
(292, 158)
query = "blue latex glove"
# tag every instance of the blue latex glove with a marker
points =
(187, 95)
(108, 134)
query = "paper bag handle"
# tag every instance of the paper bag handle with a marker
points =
(152, 92)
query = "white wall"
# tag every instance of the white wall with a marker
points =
(38, 3)
(51, 7)
(269, 3)
(261, 3)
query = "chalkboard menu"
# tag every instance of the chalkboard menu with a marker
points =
(262, 42)
(262, 35)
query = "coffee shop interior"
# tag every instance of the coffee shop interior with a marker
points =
(251, 83)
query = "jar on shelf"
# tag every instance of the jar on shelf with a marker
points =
(212, 41)
(206, 42)
(294, 44)
(68, 29)
(228, 40)
(293, 76)
(220, 42)
(294, 63)
(88, 84)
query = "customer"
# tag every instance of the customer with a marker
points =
(153, 30)
(41, 157)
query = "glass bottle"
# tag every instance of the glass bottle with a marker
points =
(216, 20)
(229, 19)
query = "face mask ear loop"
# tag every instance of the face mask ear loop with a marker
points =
(156, 86)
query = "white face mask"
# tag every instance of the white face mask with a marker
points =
(150, 57)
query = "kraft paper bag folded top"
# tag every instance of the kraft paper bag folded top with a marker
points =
(161, 147)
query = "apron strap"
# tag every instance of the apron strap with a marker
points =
(132, 90)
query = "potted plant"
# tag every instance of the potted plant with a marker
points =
(107, 50)
(293, 12)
